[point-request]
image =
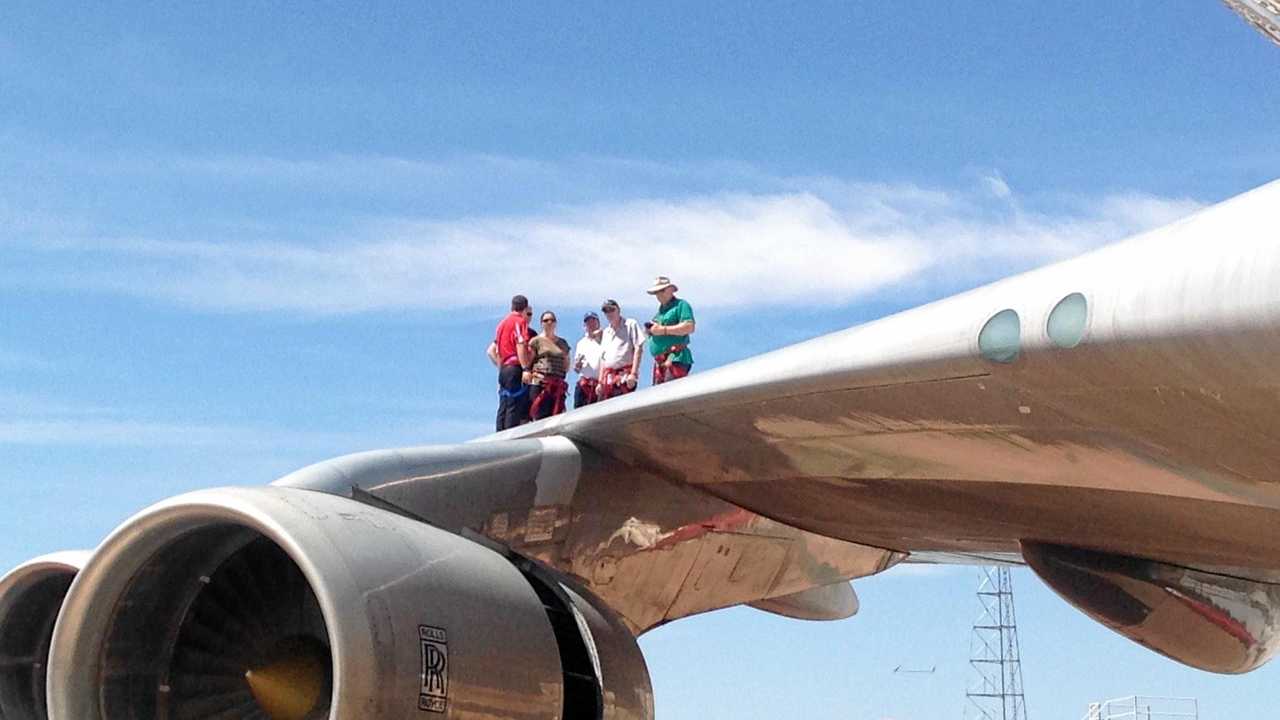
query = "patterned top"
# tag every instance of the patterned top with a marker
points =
(549, 358)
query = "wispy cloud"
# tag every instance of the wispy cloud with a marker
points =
(27, 405)
(106, 432)
(996, 185)
(99, 432)
(30, 419)
(15, 360)
(88, 431)
(796, 241)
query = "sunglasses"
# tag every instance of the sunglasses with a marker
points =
(548, 320)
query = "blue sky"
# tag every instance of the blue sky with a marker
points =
(238, 239)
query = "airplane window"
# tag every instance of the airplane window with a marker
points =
(1001, 338)
(1067, 321)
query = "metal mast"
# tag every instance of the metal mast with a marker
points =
(996, 692)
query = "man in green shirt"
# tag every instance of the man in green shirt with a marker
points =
(669, 333)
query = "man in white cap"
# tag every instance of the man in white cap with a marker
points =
(669, 333)
(621, 350)
(586, 361)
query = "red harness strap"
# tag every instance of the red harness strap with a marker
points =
(662, 371)
(588, 388)
(612, 380)
(554, 386)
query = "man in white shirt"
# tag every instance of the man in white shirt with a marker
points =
(586, 361)
(621, 343)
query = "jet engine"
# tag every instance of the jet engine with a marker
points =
(292, 604)
(1210, 621)
(30, 597)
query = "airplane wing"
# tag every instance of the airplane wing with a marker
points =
(1122, 404)
(1262, 14)
(1109, 420)
(1102, 402)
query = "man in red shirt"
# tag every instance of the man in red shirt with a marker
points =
(510, 352)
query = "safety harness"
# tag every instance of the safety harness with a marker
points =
(663, 372)
(555, 386)
(503, 392)
(587, 386)
(613, 381)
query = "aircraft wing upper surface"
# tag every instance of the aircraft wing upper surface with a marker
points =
(1124, 401)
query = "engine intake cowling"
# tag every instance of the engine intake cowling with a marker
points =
(30, 597)
(298, 605)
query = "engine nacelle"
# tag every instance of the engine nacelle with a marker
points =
(1209, 621)
(299, 605)
(30, 597)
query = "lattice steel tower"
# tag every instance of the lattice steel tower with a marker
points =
(996, 692)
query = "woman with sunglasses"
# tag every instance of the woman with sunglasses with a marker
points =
(550, 365)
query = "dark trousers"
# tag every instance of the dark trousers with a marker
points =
(580, 398)
(513, 397)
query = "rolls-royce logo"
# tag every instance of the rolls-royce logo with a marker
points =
(434, 694)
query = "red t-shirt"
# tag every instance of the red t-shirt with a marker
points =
(512, 330)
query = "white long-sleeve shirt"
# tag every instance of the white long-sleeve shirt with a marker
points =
(588, 350)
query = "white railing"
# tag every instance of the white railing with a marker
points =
(1141, 707)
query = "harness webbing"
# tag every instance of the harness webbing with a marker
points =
(612, 380)
(588, 388)
(660, 366)
(557, 387)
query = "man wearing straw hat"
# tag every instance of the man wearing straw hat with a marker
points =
(669, 333)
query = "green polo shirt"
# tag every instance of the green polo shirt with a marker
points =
(674, 312)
